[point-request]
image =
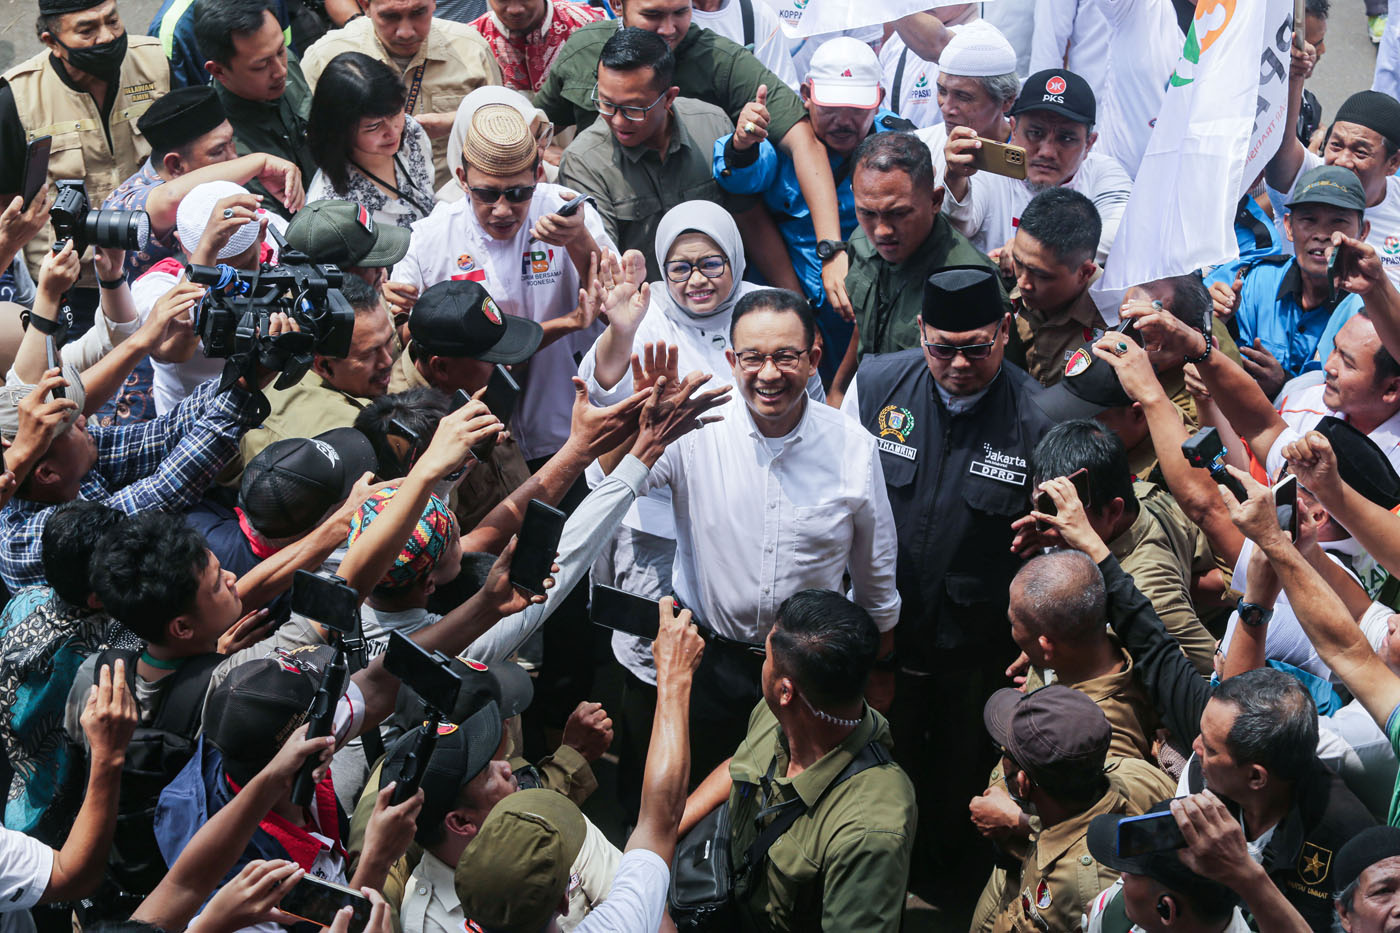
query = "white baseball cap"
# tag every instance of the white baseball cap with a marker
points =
(977, 50)
(192, 216)
(845, 72)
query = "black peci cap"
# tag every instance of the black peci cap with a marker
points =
(962, 298)
(180, 117)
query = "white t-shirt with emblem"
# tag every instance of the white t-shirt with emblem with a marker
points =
(525, 277)
(912, 93)
(1144, 43)
(770, 44)
(1384, 217)
(1302, 410)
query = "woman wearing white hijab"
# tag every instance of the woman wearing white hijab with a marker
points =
(702, 260)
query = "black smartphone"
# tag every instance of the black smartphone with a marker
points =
(53, 361)
(622, 611)
(1334, 272)
(1150, 832)
(502, 392)
(328, 600)
(536, 546)
(570, 208)
(1045, 504)
(317, 900)
(1286, 504)
(429, 674)
(36, 168)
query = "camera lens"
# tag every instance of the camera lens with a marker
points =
(115, 229)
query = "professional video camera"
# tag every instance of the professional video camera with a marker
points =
(233, 319)
(74, 219)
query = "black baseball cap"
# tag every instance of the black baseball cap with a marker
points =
(250, 715)
(462, 752)
(292, 483)
(1165, 867)
(1361, 463)
(1330, 184)
(458, 318)
(1087, 385)
(346, 234)
(1058, 90)
(1056, 734)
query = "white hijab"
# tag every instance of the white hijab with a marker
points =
(715, 222)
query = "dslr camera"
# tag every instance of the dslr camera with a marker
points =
(234, 318)
(74, 219)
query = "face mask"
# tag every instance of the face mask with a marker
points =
(103, 60)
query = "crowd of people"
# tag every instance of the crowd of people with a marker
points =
(737, 418)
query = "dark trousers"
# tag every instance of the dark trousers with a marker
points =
(726, 688)
(939, 740)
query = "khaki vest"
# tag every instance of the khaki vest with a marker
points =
(48, 107)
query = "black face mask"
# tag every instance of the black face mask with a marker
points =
(103, 60)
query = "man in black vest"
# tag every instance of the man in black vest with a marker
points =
(955, 427)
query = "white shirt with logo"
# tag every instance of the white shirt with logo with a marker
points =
(1144, 43)
(917, 97)
(525, 277)
(770, 45)
(990, 213)
(1384, 217)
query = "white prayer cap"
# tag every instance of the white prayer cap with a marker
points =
(977, 50)
(192, 216)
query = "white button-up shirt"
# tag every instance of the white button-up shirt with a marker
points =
(754, 526)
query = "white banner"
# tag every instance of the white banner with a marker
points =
(1221, 121)
(802, 18)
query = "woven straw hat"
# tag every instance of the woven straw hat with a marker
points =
(499, 141)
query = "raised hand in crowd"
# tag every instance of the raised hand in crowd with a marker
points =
(58, 273)
(960, 153)
(169, 328)
(246, 632)
(626, 291)
(400, 297)
(1224, 299)
(18, 226)
(387, 837)
(1263, 367)
(227, 216)
(997, 816)
(752, 126)
(41, 418)
(380, 917)
(588, 730)
(1070, 521)
(251, 897)
(671, 412)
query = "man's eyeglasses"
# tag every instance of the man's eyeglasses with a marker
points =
(973, 351)
(635, 114)
(518, 194)
(711, 267)
(751, 361)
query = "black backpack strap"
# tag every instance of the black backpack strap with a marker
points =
(182, 703)
(746, 13)
(872, 755)
(898, 79)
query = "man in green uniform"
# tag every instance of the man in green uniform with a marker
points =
(813, 739)
(259, 83)
(711, 68)
(902, 240)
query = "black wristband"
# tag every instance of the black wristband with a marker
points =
(109, 284)
(46, 327)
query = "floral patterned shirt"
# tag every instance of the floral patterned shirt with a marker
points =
(413, 176)
(525, 60)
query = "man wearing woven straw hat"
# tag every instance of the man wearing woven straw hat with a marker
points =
(506, 235)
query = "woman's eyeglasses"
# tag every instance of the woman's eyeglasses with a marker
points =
(711, 267)
(973, 351)
(518, 194)
(751, 361)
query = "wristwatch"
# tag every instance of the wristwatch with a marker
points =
(1253, 614)
(829, 248)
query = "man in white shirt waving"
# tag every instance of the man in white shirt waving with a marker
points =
(782, 495)
(1053, 120)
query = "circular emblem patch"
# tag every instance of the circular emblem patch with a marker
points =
(465, 262)
(1392, 245)
(896, 422)
(493, 313)
(1055, 85)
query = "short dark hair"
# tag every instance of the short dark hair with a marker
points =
(146, 571)
(352, 86)
(1275, 721)
(1062, 596)
(1319, 8)
(418, 409)
(1191, 302)
(889, 152)
(1064, 222)
(476, 567)
(46, 22)
(69, 538)
(826, 644)
(630, 48)
(775, 299)
(1082, 442)
(358, 294)
(216, 22)
(1386, 367)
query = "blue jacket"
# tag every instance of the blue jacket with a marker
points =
(771, 174)
(1255, 231)
(173, 25)
(1270, 309)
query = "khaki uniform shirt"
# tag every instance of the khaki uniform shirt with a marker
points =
(635, 185)
(486, 485)
(451, 63)
(843, 865)
(49, 106)
(306, 409)
(1059, 878)
(1048, 340)
(1159, 551)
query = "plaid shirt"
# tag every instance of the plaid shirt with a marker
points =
(165, 464)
